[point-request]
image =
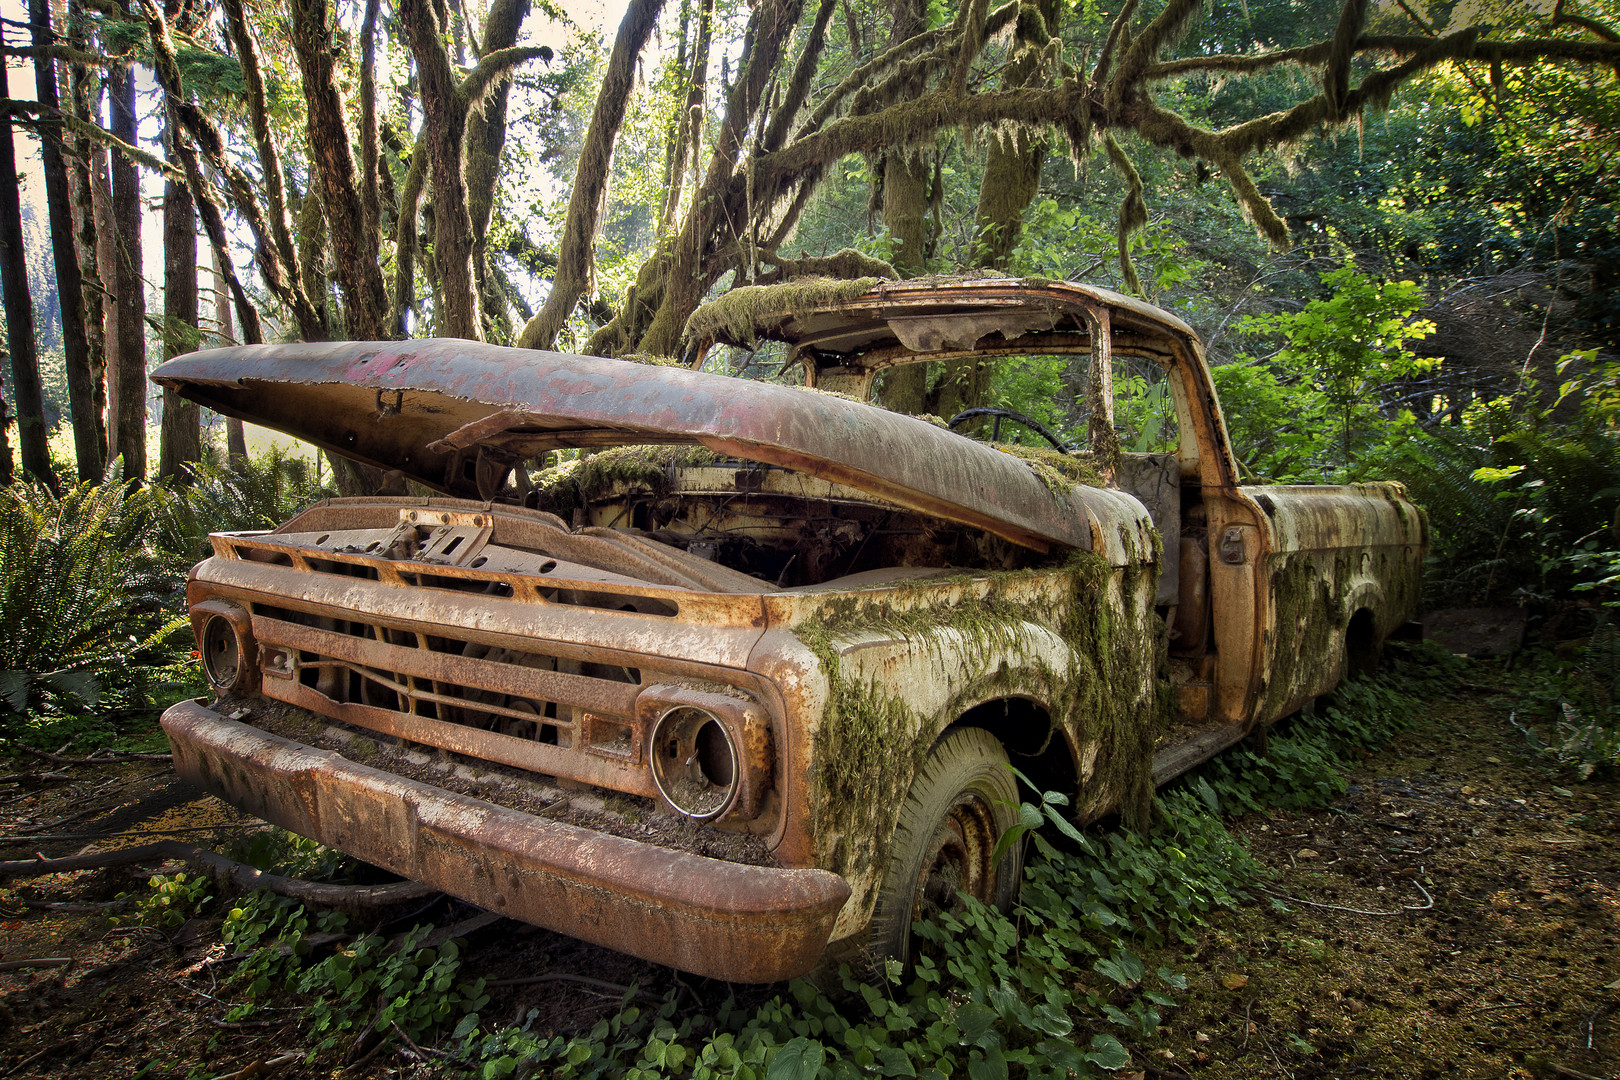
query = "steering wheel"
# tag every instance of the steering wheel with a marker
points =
(1017, 417)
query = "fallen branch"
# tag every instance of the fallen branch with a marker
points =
(41, 962)
(260, 1067)
(76, 909)
(93, 759)
(227, 873)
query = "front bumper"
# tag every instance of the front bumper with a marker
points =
(710, 917)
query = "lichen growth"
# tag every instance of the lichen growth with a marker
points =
(1107, 696)
(652, 360)
(736, 316)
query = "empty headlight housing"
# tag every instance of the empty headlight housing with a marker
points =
(225, 645)
(709, 753)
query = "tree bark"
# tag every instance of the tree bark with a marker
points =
(69, 288)
(25, 385)
(129, 430)
(235, 434)
(444, 123)
(279, 264)
(180, 437)
(485, 139)
(358, 271)
(87, 163)
(591, 176)
(905, 217)
(106, 252)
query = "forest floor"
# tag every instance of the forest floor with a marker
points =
(1455, 914)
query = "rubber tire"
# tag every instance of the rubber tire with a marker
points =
(966, 772)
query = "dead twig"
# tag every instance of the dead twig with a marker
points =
(1499, 1008)
(227, 873)
(76, 909)
(260, 1067)
(93, 759)
(1428, 902)
(420, 1052)
(569, 977)
(51, 1049)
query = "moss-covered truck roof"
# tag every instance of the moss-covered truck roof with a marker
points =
(873, 323)
(438, 409)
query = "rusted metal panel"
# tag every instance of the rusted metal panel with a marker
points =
(720, 919)
(386, 404)
(581, 633)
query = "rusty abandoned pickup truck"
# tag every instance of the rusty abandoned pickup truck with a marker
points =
(736, 689)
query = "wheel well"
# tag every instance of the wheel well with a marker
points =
(1362, 644)
(1036, 747)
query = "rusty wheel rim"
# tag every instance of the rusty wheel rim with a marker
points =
(958, 860)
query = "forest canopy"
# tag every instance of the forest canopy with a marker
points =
(376, 170)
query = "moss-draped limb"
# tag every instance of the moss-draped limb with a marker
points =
(1132, 210)
(370, 144)
(485, 139)
(798, 87)
(444, 123)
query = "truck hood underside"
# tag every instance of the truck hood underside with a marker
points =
(442, 410)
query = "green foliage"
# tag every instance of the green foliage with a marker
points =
(1305, 757)
(172, 901)
(91, 589)
(85, 613)
(1574, 705)
(1558, 467)
(367, 981)
(1334, 356)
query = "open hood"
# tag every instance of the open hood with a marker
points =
(453, 414)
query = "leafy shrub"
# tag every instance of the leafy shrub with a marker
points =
(1309, 409)
(172, 901)
(1578, 705)
(86, 616)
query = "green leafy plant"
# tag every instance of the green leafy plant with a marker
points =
(171, 901)
(85, 614)
(1331, 359)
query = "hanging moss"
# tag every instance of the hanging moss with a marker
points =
(574, 484)
(736, 316)
(1057, 470)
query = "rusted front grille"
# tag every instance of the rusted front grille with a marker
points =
(532, 710)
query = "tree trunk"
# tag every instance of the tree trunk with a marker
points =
(180, 440)
(89, 162)
(129, 437)
(69, 289)
(280, 266)
(444, 123)
(485, 139)
(358, 271)
(235, 435)
(590, 178)
(905, 217)
(106, 249)
(25, 384)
